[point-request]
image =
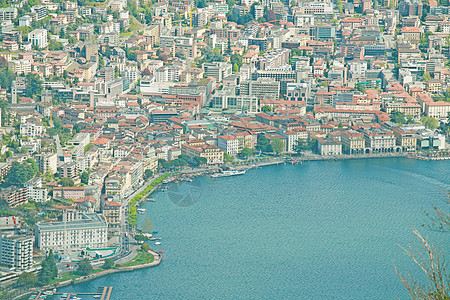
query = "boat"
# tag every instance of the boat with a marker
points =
(141, 210)
(227, 173)
(153, 239)
(97, 296)
(151, 199)
(158, 243)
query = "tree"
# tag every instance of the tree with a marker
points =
(34, 85)
(426, 76)
(27, 279)
(429, 259)
(6, 78)
(84, 267)
(263, 144)
(397, 117)
(84, 177)
(49, 271)
(66, 181)
(340, 6)
(199, 160)
(228, 157)
(108, 264)
(148, 173)
(360, 87)
(235, 68)
(145, 247)
(430, 122)
(266, 108)
(246, 153)
(21, 173)
(278, 146)
(305, 145)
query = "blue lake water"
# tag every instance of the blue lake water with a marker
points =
(320, 230)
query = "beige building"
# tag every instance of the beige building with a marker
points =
(213, 154)
(353, 142)
(111, 211)
(380, 141)
(406, 140)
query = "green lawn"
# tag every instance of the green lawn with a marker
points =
(140, 259)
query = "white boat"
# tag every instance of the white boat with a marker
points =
(229, 173)
(141, 210)
(158, 243)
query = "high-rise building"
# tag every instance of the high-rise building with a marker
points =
(16, 252)
(38, 37)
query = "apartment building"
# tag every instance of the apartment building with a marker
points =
(38, 37)
(73, 192)
(16, 252)
(229, 144)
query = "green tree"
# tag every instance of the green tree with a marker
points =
(148, 173)
(305, 145)
(66, 181)
(263, 144)
(340, 6)
(84, 267)
(266, 108)
(145, 247)
(246, 153)
(21, 173)
(430, 122)
(228, 157)
(34, 85)
(84, 177)
(235, 68)
(199, 160)
(426, 76)
(48, 271)
(27, 279)
(6, 77)
(360, 87)
(108, 264)
(397, 117)
(278, 146)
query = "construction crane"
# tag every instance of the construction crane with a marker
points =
(16, 230)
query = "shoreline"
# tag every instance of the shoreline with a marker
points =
(157, 258)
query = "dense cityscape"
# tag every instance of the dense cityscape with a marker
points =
(104, 102)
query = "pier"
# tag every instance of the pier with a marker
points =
(104, 292)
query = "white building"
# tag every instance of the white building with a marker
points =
(25, 21)
(38, 37)
(329, 146)
(20, 66)
(229, 144)
(291, 139)
(31, 130)
(16, 252)
(77, 231)
(35, 190)
(168, 73)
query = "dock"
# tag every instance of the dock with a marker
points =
(104, 292)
